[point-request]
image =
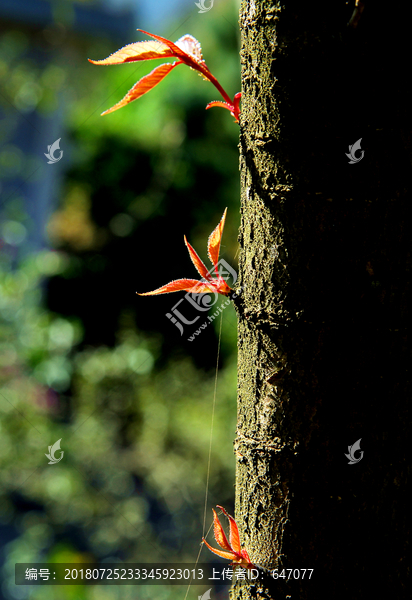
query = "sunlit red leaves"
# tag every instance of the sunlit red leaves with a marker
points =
(187, 50)
(136, 51)
(233, 106)
(144, 85)
(209, 284)
(231, 549)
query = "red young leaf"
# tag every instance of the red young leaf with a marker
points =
(245, 555)
(144, 85)
(220, 535)
(213, 243)
(234, 532)
(185, 285)
(196, 260)
(236, 102)
(208, 284)
(137, 51)
(233, 549)
(191, 46)
(221, 553)
(221, 104)
(232, 106)
(187, 50)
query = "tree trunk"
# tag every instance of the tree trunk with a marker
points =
(325, 267)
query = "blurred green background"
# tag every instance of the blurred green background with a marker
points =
(82, 357)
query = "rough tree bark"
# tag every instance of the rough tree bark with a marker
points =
(325, 267)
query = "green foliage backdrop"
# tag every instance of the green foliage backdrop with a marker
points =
(82, 358)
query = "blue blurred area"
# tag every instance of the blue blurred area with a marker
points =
(159, 12)
(24, 128)
(108, 18)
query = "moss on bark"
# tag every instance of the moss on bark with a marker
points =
(325, 269)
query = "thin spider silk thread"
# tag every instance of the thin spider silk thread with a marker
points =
(210, 453)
